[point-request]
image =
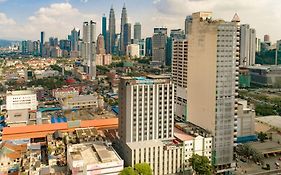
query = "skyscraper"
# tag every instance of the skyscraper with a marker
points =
(89, 47)
(159, 41)
(103, 28)
(112, 31)
(74, 40)
(124, 21)
(137, 31)
(148, 46)
(187, 24)
(247, 45)
(127, 35)
(212, 83)
(42, 40)
(100, 45)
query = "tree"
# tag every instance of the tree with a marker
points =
(128, 171)
(143, 169)
(262, 136)
(200, 164)
(140, 169)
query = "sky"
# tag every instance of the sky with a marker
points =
(24, 19)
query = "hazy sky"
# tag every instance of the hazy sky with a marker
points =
(24, 19)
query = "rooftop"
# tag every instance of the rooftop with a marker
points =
(21, 92)
(192, 129)
(93, 153)
(272, 121)
(182, 135)
(81, 98)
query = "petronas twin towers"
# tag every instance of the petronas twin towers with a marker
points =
(117, 45)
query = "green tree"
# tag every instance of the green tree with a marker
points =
(140, 169)
(128, 171)
(200, 164)
(143, 169)
(262, 136)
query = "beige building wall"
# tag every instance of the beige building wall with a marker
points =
(202, 57)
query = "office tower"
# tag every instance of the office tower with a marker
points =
(53, 41)
(169, 48)
(159, 41)
(187, 24)
(66, 45)
(111, 29)
(127, 35)
(36, 48)
(116, 46)
(74, 40)
(124, 20)
(141, 44)
(212, 83)
(27, 47)
(103, 29)
(148, 46)
(89, 47)
(179, 73)
(266, 38)
(100, 45)
(247, 45)
(137, 31)
(42, 40)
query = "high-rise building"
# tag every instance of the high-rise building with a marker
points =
(89, 47)
(127, 35)
(212, 83)
(124, 21)
(103, 29)
(175, 34)
(53, 41)
(141, 44)
(42, 40)
(179, 73)
(27, 47)
(100, 45)
(36, 48)
(147, 107)
(247, 45)
(159, 41)
(146, 124)
(74, 40)
(187, 24)
(148, 46)
(133, 50)
(137, 31)
(112, 31)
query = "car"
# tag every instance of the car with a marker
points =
(243, 160)
(279, 158)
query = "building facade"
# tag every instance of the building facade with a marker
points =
(133, 51)
(159, 41)
(179, 73)
(212, 86)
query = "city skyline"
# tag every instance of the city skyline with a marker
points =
(51, 15)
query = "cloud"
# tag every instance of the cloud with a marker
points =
(262, 15)
(4, 20)
(57, 19)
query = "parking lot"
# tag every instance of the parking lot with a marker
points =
(252, 168)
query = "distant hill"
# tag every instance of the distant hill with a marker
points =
(6, 43)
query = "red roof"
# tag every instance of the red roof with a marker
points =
(36, 131)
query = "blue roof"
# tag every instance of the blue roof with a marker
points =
(58, 119)
(49, 109)
(115, 109)
(245, 139)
